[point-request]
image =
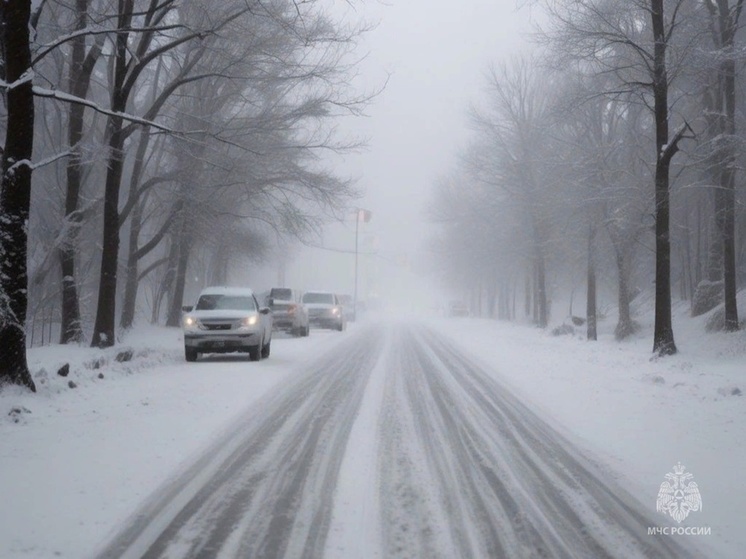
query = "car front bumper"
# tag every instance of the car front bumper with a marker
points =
(326, 321)
(285, 321)
(221, 342)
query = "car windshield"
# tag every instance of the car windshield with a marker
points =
(226, 302)
(281, 293)
(325, 298)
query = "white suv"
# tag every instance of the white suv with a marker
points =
(227, 320)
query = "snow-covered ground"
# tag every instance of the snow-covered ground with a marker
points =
(76, 462)
(636, 415)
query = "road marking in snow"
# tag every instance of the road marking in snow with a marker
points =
(355, 526)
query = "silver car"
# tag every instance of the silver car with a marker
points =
(227, 320)
(325, 310)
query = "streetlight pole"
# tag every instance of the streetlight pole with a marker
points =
(365, 216)
(357, 235)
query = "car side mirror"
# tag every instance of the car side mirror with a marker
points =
(265, 310)
(187, 308)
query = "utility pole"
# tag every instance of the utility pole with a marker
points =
(365, 216)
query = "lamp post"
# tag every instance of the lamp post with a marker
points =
(365, 216)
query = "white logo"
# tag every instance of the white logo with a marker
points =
(678, 496)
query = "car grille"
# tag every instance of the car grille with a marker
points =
(220, 326)
(320, 313)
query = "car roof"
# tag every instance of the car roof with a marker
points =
(221, 290)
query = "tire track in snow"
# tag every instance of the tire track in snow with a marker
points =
(471, 472)
(266, 489)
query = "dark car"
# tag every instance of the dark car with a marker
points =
(289, 314)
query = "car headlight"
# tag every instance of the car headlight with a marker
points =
(335, 311)
(190, 322)
(250, 320)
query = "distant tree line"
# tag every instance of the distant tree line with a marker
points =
(614, 151)
(167, 139)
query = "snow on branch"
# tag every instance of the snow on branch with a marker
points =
(671, 148)
(25, 78)
(67, 98)
(37, 165)
(91, 32)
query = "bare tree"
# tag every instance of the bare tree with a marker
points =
(514, 129)
(296, 49)
(633, 41)
(724, 25)
(128, 65)
(608, 138)
(82, 62)
(15, 190)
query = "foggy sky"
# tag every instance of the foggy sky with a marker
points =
(435, 53)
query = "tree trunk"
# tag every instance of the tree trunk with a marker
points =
(541, 292)
(515, 297)
(480, 292)
(720, 102)
(131, 275)
(625, 325)
(136, 253)
(166, 284)
(103, 332)
(81, 67)
(687, 255)
(15, 193)
(663, 340)
(698, 248)
(177, 297)
(714, 245)
(132, 278)
(535, 293)
(591, 316)
(729, 261)
(728, 225)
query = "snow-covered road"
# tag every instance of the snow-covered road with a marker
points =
(267, 488)
(438, 460)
